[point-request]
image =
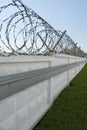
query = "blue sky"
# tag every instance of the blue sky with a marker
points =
(70, 15)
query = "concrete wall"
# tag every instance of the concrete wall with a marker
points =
(24, 109)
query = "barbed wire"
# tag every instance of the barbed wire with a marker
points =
(22, 31)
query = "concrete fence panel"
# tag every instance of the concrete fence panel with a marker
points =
(29, 86)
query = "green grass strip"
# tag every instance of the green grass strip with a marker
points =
(69, 111)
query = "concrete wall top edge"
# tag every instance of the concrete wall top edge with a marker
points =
(27, 58)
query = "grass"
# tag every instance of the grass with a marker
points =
(69, 111)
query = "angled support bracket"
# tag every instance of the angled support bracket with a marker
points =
(59, 40)
(43, 41)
